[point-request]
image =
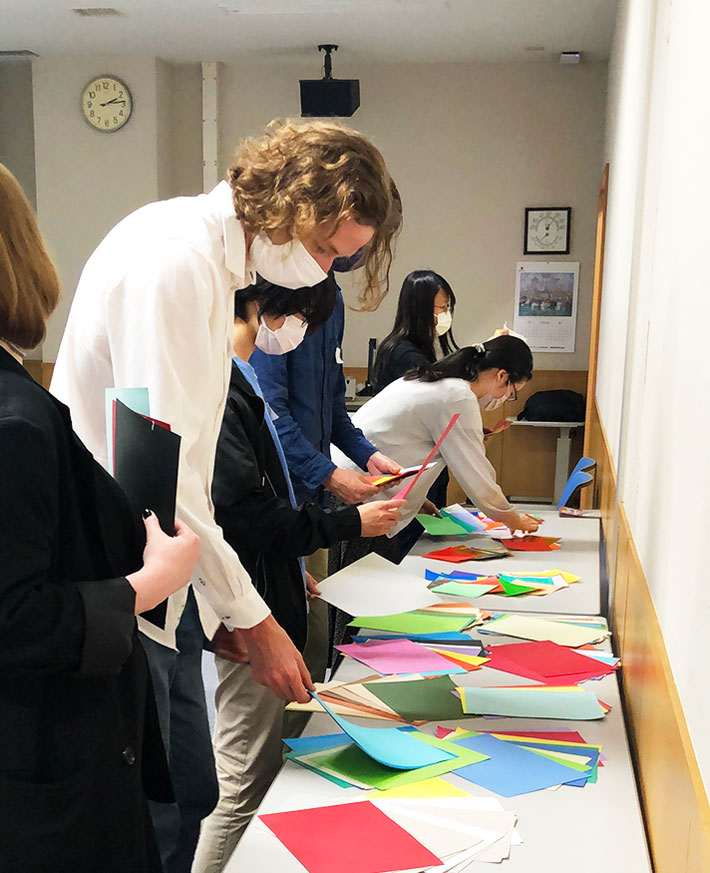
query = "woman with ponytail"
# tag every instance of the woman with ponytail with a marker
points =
(406, 419)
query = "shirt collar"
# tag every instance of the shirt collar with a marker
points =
(235, 254)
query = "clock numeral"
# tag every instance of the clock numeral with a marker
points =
(98, 118)
(120, 93)
(92, 94)
(89, 104)
(120, 112)
(105, 85)
(106, 123)
(115, 120)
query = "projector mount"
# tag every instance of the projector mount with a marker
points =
(327, 63)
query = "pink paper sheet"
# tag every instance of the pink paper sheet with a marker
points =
(396, 656)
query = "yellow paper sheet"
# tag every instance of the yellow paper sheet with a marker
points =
(434, 788)
(476, 660)
(531, 628)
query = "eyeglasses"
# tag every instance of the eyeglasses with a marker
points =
(441, 307)
(513, 392)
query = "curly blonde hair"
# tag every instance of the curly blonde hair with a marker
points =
(305, 177)
(29, 287)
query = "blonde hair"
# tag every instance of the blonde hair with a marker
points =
(305, 177)
(29, 287)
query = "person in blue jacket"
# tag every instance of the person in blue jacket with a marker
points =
(305, 389)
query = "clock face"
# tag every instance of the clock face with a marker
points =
(106, 103)
(547, 230)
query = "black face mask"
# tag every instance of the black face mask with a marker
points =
(354, 262)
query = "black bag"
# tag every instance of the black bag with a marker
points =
(560, 405)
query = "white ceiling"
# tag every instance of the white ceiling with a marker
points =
(376, 30)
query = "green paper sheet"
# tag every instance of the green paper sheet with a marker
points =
(441, 527)
(292, 756)
(353, 763)
(420, 699)
(412, 623)
(512, 589)
(463, 589)
(526, 703)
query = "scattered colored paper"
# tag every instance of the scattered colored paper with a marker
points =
(530, 627)
(412, 622)
(352, 764)
(531, 702)
(460, 554)
(441, 527)
(391, 478)
(433, 789)
(531, 543)
(390, 746)
(511, 770)
(421, 699)
(464, 589)
(329, 839)
(395, 656)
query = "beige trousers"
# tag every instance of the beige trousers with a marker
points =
(247, 749)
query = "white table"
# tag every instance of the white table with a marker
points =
(562, 453)
(579, 555)
(596, 829)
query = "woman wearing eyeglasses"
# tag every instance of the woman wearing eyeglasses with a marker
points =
(422, 327)
(406, 419)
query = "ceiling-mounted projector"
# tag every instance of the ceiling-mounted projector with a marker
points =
(329, 97)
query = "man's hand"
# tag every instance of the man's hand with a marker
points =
(429, 508)
(379, 465)
(230, 645)
(349, 486)
(312, 590)
(377, 517)
(276, 662)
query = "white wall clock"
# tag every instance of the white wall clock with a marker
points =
(547, 230)
(106, 103)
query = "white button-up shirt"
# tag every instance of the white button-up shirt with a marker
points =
(407, 418)
(154, 307)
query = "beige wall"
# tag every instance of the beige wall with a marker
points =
(469, 146)
(87, 181)
(17, 123)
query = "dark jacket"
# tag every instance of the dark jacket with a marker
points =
(404, 356)
(252, 506)
(79, 737)
(306, 390)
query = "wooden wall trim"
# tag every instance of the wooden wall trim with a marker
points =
(673, 796)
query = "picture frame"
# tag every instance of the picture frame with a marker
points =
(547, 230)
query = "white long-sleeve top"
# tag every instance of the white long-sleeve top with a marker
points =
(405, 421)
(154, 307)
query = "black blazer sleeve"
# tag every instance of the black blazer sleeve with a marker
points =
(249, 510)
(47, 625)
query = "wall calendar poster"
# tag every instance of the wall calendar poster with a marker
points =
(546, 304)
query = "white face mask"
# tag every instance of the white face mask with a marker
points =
(488, 402)
(443, 322)
(283, 339)
(289, 265)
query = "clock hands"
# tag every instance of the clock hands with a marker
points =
(115, 100)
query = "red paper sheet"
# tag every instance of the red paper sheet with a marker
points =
(531, 543)
(545, 661)
(405, 491)
(348, 838)
(457, 554)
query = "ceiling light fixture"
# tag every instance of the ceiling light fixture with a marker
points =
(570, 57)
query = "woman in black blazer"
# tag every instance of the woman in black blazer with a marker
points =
(80, 745)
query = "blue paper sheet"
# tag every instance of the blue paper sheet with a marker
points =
(433, 575)
(511, 770)
(389, 746)
(444, 636)
(307, 745)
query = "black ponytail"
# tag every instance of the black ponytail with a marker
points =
(501, 353)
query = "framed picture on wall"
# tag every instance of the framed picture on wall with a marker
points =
(547, 230)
